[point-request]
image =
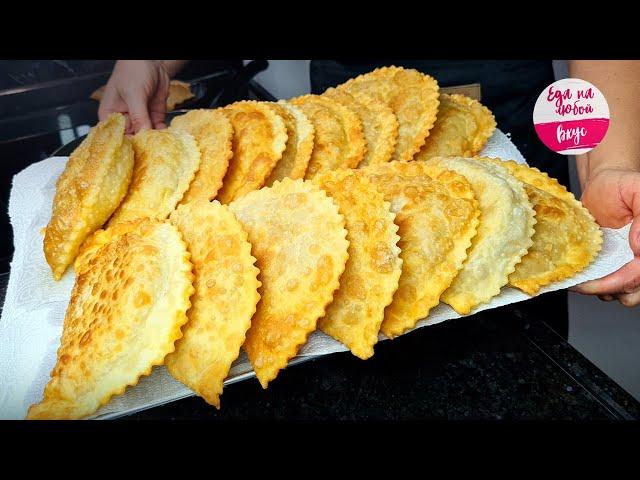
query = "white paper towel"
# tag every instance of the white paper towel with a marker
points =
(35, 304)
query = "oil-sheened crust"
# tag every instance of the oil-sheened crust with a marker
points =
(462, 128)
(166, 162)
(412, 96)
(259, 140)
(437, 218)
(379, 124)
(92, 185)
(339, 140)
(566, 239)
(226, 294)
(299, 240)
(213, 133)
(126, 311)
(504, 233)
(373, 269)
(300, 135)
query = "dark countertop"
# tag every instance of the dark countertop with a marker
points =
(498, 364)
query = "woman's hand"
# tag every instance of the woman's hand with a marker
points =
(613, 197)
(139, 89)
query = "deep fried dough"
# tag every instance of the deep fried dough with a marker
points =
(125, 313)
(298, 237)
(412, 96)
(372, 271)
(566, 239)
(259, 139)
(94, 182)
(462, 129)
(224, 301)
(339, 141)
(300, 135)
(379, 124)
(213, 133)
(437, 219)
(165, 164)
(504, 233)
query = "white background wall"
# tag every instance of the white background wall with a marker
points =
(606, 333)
(286, 78)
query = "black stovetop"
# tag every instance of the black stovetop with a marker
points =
(44, 105)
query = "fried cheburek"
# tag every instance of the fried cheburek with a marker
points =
(299, 240)
(412, 96)
(213, 133)
(379, 124)
(300, 135)
(339, 140)
(373, 268)
(165, 164)
(91, 187)
(504, 233)
(259, 139)
(462, 128)
(224, 301)
(438, 219)
(566, 239)
(127, 307)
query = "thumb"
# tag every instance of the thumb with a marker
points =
(138, 113)
(634, 235)
(630, 194)
(158, 103)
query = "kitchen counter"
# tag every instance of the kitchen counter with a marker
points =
(498, 364)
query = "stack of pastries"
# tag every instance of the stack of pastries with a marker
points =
(250, 226)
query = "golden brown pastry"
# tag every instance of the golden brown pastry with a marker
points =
(127, 307)
(462, 129)
(504, 233)
(224, 301)
(166, 162)
(438, 218)
(300, 136)
(566, 239)
(372, 271)
(259, 139)
(213, 134)
(91, 187)
(298, 238)
(379, 124)
(339, 141)
(412, 96)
